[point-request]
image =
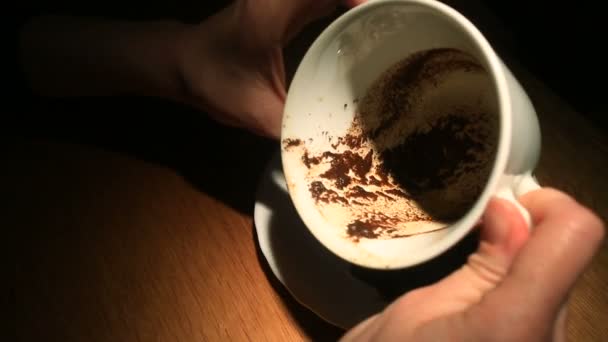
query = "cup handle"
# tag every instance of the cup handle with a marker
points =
(521, 184)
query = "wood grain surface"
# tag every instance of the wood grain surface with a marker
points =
(124, 234)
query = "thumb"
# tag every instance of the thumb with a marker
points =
(503, 235)
(504, 232)
(563, 242)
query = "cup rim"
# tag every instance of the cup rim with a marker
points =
(496, 71)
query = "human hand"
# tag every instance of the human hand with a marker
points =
(232, 64)
(514, 288)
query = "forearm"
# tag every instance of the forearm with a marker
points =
(70, 56)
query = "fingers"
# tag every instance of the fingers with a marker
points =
(505, 229)
(563, 242)
(270, 125)
(565, 239)
(542, 203)
(504, 232)
(362, 331)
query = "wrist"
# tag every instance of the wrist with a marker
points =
(161, 44)
(200, 51)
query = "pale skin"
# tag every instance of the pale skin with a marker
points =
(514, 288)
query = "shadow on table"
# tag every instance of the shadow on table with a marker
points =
(223, 162)
(313, 326)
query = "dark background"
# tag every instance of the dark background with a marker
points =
(563, 45)
(560, 43)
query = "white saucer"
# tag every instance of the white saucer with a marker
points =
(337, 291)
(315, 277)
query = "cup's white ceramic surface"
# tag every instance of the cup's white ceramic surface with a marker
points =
(340, 66)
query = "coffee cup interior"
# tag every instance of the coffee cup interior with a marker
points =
(390, 133)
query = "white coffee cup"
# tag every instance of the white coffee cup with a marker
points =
(340, 66)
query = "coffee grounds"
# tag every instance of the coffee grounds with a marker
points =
(380, 193)
(309, 161)
(342, 163)
(317, 189)
(362, 229)
(374, 181)
(373, 225)
(382, 173)
(321, 194)
(408, 74)
(371, 171)
(362, 168)
(427, 160)
(287, 143)
(397, 192)
(353, 140)
(358, 191)
(396, 89)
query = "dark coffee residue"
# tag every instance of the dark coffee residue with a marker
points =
(336, 144)
(317, 189)
(382, 172)
(342, 163)
(362, 229)
(424, 164)
(380, 193)
(287, 143)
(374, 181)
(375, 224)
(308, 160)
(353, 140)
(427, 160)
(407, 77)
(363, 166)
(372, 226)
(321, 194)
(359, 192)
(397, 192)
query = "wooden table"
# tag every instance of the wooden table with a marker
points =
(125, 235)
